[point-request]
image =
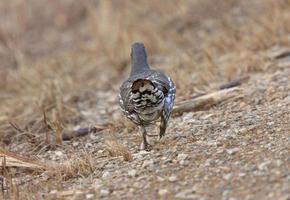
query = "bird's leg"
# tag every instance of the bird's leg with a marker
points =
(163, 124)
(145, 145)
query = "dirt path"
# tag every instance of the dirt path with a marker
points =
(61, 66)
(236, 150)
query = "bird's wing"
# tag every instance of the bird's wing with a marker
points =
(124, 99)
(161, 81)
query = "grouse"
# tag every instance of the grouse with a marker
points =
(147, 95)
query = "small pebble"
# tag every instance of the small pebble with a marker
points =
(132, 172)
(160, 179)
(104, 192)
(242, 174)
(148, 163)
(263, 166)
(53, 192)
(75, 144)
(172, 178)
(187, 116)
(182, 156)
(58, 153)
(186, 194)
(106, 175)
(228, 176)
(162, 192)
(89, 196)
(97, 184)
(278, 163)
(232, 151)
(88, 145)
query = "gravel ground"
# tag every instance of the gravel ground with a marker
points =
(68, 59)
(235, 150)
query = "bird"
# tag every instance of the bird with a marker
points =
(147, 96)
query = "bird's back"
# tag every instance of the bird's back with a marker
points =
(142, 98)
(147, 94)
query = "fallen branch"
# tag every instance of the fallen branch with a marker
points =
(279, 53)
(233, 83)
(206, 101)
(9, 159)
(281, 56)
(81, 132)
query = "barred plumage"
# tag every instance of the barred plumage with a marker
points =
(147, 95)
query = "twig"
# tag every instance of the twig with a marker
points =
(279, 53)
(81, 132)
(283, 55)
(233, 83)
(14, 125)
(206, 101)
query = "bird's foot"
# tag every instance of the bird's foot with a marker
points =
(161, 135)
(146, 146)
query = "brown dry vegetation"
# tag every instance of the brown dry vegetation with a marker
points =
(61, 63)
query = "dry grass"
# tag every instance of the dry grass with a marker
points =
(65, 60)
(117, 149)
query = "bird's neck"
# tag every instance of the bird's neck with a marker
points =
(139, 61)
